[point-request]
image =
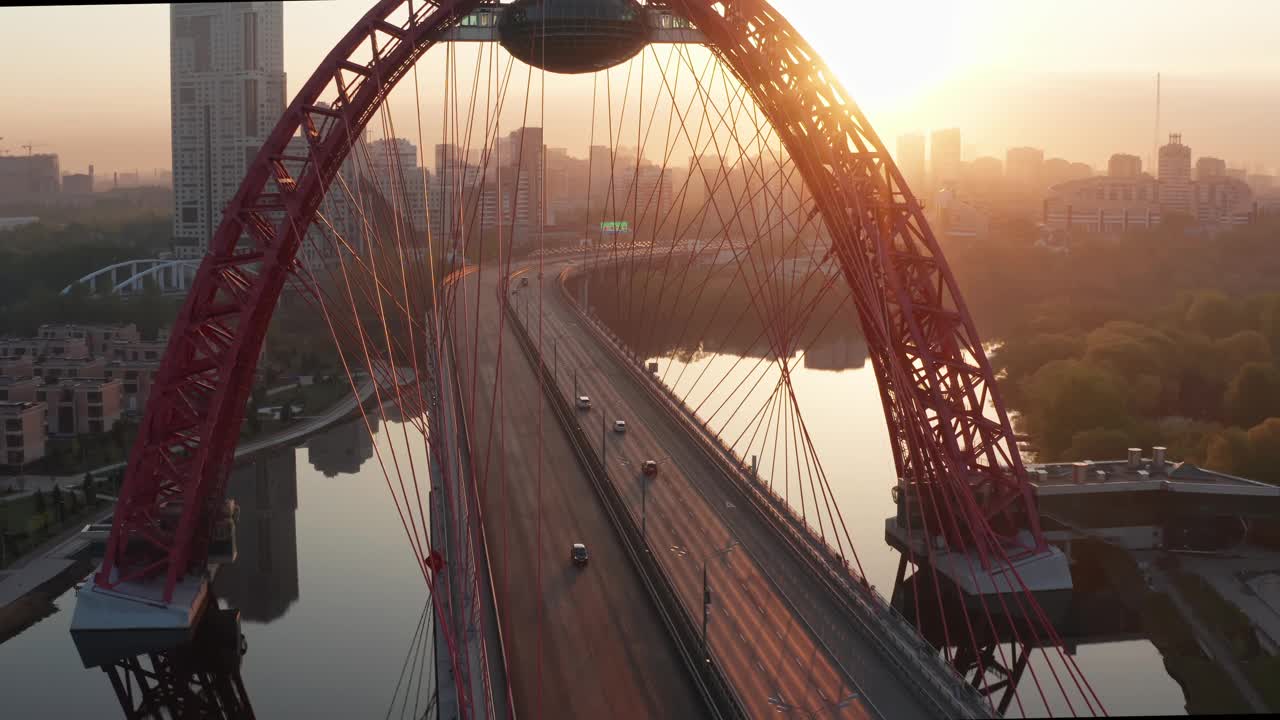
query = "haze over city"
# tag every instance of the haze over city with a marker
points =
(637, 359)
(1008, 73)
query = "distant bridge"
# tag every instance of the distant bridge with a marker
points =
(172, 275)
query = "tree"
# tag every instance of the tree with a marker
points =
(58, 502)
(1253, 395)
(90, 494)
(1212, 314)
(39, 501)
(1233, 352)
(1264, 451)
(1229, 452)
(1066, 397)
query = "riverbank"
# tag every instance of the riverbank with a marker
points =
(47, 571)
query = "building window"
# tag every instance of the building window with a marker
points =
(95, 411)
(95, 397)
(95, 426)
(15, 457)
(13, 425)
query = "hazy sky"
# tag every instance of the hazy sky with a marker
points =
(91, 82)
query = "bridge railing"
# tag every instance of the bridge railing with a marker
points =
(897, 638)
(715, 688)
(436, 402)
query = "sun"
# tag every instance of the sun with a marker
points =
(885, 52)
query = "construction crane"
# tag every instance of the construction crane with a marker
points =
(29, 145)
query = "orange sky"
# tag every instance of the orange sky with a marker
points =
(1076, 79)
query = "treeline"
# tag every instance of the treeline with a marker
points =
(1159, 339)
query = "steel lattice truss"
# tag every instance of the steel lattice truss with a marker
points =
(953, 444)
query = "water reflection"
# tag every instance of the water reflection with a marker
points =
(707, 359)
(263, 581)
(343, 448)
(328, 590)
(198, 679)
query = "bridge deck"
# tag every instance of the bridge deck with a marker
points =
(779, 634)
(581, 643)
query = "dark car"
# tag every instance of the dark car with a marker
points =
(579, 554)
(649, 467)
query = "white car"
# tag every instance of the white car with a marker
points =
(619, 426)
(584, 402)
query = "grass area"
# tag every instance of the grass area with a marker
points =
(24, 525)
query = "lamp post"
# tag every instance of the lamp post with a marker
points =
(706, 597)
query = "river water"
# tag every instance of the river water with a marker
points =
(328, 589)
(331, 598)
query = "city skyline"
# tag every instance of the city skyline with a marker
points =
(1063, 96)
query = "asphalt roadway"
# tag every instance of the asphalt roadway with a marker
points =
(580, 642)
(784, 643)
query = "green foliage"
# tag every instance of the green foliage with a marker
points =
(1253, 395)
(1069, 396)
(39, 501)
(90, 493)
(1264, 450)
(1213, 315)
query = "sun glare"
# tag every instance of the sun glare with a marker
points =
(864, 44)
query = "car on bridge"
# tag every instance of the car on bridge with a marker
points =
(584, 402)
(578, 554)
(619, 426)
(649, 467)
(524, 281)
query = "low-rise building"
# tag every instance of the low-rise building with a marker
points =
(23, 437)
(138, 377)
(1103, 204)
(38, 347)
(17, 367)
(52, 369)
(98, 338)
(18, 389)
(82, 405)
(137, 350)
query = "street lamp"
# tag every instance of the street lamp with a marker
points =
(706, 596)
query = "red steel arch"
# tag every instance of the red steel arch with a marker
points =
(934, 377)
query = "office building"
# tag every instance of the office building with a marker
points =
(944, 157)
(226, 92)
(1103, 204)
(1024, 166)
(81, 405)
(1175, 177)
(1124, 166)
(1210, 167)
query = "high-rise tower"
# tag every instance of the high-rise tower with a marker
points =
(226, 91)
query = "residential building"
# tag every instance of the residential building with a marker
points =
(38, 348)
(29, 178)
(23, 437)
(137, 350)
(1260, 183)
(1124, 166)
(1175, 177)
(395, 167)
(52, 369)
(82, 405)
(16, 366)
(98, 338)
(944, 157)
(226, 91)
(137, 376)
(18, 389)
